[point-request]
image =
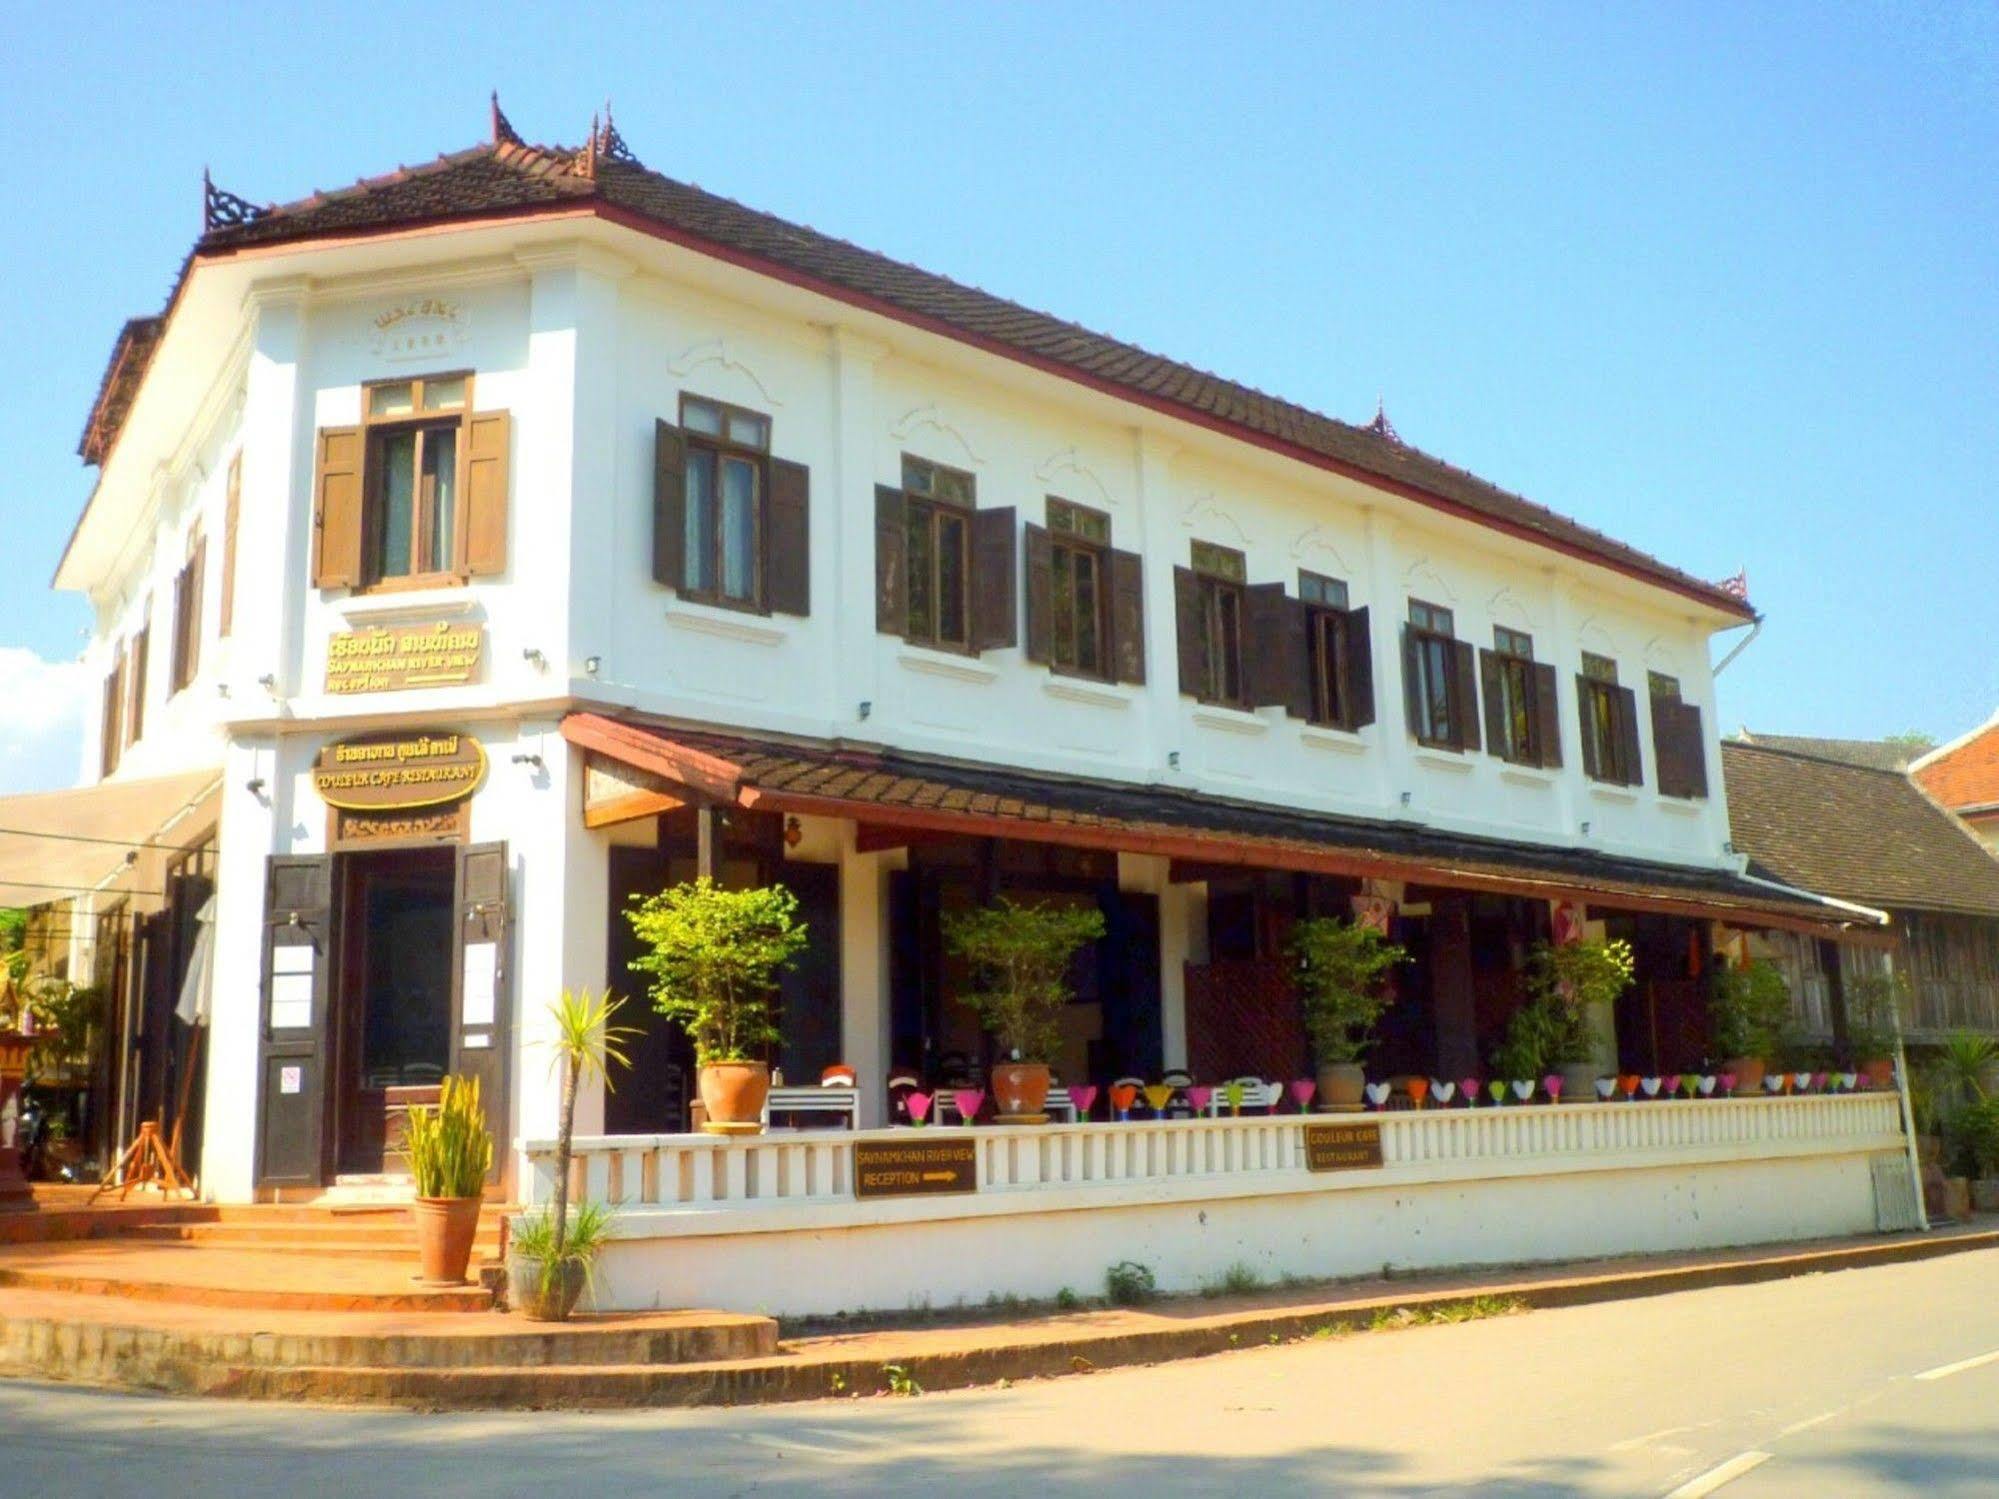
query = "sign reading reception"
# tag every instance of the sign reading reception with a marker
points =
(397, 658)
(916, 1168)
(423, 770)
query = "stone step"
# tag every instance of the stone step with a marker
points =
(386, 1290)
(333, 1238)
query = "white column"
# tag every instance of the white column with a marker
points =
(843, 572)
(1387, 608)
(864, 973)
(274, 528)
(1160, 542)
(1565, 652)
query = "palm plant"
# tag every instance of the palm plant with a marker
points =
(1955, 1071)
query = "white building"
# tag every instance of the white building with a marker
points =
(617, 512)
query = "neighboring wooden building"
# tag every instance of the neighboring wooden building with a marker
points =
(1867, 833)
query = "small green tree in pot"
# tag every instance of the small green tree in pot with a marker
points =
(1342, 968)
(1873, 1003)
(1020, 955)
(1577, 982)
(1749, 1018)
(553, 1253)
(715, 956)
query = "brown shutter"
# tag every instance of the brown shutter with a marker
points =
(108, 744)
(231, 511)
(1693, 740)
(891, 561)
(1411, 703)
(481, 1046)
(1464, 694)
(1495, 705)
(336, 507)
(995, 614)
(788, 565)
(1357, 691)
(1266, 684)
(1665, 748)
(1127, 616)
(1678, 751)
(1586, 721)
(1187, 629)
(1547, 708)
(1038, 552)
(669, 505)
(1627, 727)
(135, 699)
(488, 440)
(197, 576)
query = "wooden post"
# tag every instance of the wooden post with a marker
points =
(1453, 1001)
(704, 840)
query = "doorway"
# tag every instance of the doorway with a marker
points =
(394, 1002)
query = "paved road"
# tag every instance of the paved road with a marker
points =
(1836, 1385)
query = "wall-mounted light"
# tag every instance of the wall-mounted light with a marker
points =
(592, 664)
(1728, 848)
(269, 683)
(527, 759)
(1173, 759)
(1585, 830)
(1407, 797)
(866, 708)
(255, 786)
(794, 833)
(534, 658)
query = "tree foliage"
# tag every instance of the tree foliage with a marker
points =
(1749, 1011)
(715, 956)
(1020, 956)
(1341, 968)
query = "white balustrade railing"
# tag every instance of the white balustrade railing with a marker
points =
(706, 1173)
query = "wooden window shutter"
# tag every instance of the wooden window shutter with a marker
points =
(891, 561)
(1693, 744)
(1627, 727)
(669, 505)
(197, 576)
(1586, 720)
(788, 569)
(232, 509)
(995, 612)
(1495, 704)
(1464, 694)
(337, 507)
(135, 709)
(1038, 560)
(1357, 691)
(1263, 619)
(1411, 701)
(1547, 708)
(488, 438)
(1187, 630)
(1127, 616)
(1677, 747)
(108, 744)
(1666, 748)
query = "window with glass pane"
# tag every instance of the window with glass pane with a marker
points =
(939, 530)
(414, 427)
(1601, 719)
(1432, 633)
(1219, 573)
(1078, 545)
(1326, 640)
(722, 542)
(1519, 725)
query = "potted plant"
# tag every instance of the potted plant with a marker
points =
(450, 1151)
(551, 1254)
(1749, 1012)
(714, 956)
(24, 1008)
(1578, 980)
(1872, 1003)
(1539, 1033)
(1020, 956)
(1341, 967)
(1971, 1154)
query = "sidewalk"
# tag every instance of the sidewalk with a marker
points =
(493, 1361)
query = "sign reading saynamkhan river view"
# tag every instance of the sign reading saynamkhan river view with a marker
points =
(915, 1168)
(420, 770)
(395, 658)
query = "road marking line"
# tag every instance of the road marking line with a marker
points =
(1714, 1478)
(1797, 1426)
(1944, 1371)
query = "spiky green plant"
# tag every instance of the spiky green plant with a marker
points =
(449, 1148)
(587, 1043)
(575, 1238)
(1955, 1069)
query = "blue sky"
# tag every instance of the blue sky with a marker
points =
(1720, 280)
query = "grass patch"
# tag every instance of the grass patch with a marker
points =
(1471, 1309)
(1128, 1283)
(1238, 1280)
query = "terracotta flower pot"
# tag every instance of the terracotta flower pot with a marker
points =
(1021, 1091)
(1879, 1071)
(1748, 1075)
(445, 1228)
(1342, 1085)
(544, 1300)
(733, 1093)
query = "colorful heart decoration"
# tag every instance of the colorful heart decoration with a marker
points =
(1650, 1085)
(1377, 1094)
(1773, 1082)
(1497, 1088)
(1707, 1085)
(1552, 1085)
(1605, 1086)
(1232, 1096)
(918, 1105)
(1523, 1088)
(1689, 1084)
(1157, 1096)
(1085, 1094)
(1302, 1090)
(1848, 1080)
(1441, 1091)
(1673, 1083)
(1728, 1082)
(1200, 1096)
(1123, 1096)
(1628, 1085)
(1803, 1080)
(1419, 1089)
(971, 1100)
(1469, 1087)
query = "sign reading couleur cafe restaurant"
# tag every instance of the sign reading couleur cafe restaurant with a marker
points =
(399, 657)
(398, 772)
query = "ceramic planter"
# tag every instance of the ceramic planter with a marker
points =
(1985, 1194)
(1879, 1071)
(733, 1094)
(539, 1300)
(1341, 1087)
(1748, 1075)
(1578, 1082)
(1021, 1091)
(445, 1228)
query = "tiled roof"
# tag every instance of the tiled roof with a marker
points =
(1857, 834)
(1966, 774)
(131, 357)
(508, 177)
(893, 788)
(1875, 754)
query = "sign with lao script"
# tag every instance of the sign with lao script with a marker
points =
(915, 1168)
(1342, 1147)
(396, 658)
(401, 771)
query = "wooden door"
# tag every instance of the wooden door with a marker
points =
(293, 1050)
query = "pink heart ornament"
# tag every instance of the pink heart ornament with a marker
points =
(1728, 1082)
(1552, 1085)
(1085, 1094)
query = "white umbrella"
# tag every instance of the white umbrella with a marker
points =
(193, 1006)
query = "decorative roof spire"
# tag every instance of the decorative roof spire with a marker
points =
(612, 146)
(221, 209)
(503, 128)
(1381, 426)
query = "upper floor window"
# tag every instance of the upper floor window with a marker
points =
(111, 723)
(1609, 723)
(1210, 597)
(730, 522)
(1085, 599)
(1437, 680)
(1522, 719)
(944, 569)
(1679, 743)
(417, 493)
(186, 659)
(1337, 654)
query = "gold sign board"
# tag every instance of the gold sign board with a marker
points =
(915, 1168)
(395, 658)
(1342, 1147)
(399, 772)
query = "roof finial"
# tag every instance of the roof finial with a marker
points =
(221, 209)
(613, 144)
(503, 128)
(1381, 426)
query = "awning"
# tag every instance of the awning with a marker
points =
(58, 844)
(649, 766)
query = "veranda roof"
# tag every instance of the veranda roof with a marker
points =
(58, 844)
